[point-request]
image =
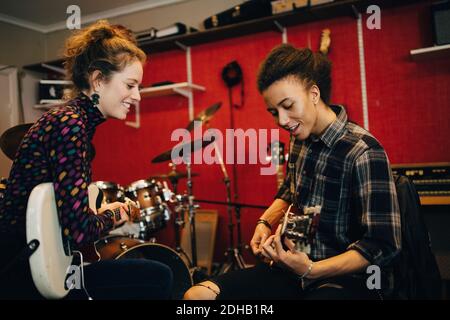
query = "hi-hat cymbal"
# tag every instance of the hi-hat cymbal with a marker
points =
(205, 115)
(179, 150)
(10, 139)
(173, 175)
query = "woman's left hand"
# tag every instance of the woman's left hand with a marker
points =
(296, 261)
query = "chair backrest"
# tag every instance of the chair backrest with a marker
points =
(416, 274)
(49, 263)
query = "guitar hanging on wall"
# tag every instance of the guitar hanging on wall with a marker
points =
(325, 41)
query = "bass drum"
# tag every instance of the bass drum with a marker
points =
(119, 247)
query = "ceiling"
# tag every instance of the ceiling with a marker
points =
(50, 15)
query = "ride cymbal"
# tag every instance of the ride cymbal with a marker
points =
(179, 150)
(205, 115)
(173, 175)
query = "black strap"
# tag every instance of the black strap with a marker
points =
(24, 254)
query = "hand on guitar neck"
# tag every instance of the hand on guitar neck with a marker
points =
(122, 212)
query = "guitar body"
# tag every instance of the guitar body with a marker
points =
(49, 263)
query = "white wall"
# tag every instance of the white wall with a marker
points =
(10, 114)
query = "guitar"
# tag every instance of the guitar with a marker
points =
(50, 264)
(325, 41)
(90, 252)
(278, 158)
(301, 228)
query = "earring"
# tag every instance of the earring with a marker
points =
(95, 98)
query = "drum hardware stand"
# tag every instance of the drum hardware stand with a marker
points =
(173, 180)
(178, 225)
(235, 259)
(179, 219)
(191, 215)
(234, 254)
(197, 273)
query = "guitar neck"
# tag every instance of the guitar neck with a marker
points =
(116, 212)
(280, 176)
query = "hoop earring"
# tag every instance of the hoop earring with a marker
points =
(95, 99)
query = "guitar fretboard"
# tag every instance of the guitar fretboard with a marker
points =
(116, 214)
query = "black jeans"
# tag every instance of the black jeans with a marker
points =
(109, 279)
(126, 279)
(263, 282)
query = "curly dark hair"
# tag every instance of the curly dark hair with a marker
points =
(304, 64)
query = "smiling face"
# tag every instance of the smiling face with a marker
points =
(293, 106)
(119, 92)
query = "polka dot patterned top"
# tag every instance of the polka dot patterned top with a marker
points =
(56, 149)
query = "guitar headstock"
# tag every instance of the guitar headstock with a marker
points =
(277, 152)
(278, 159)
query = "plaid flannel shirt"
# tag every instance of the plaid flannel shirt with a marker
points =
(345, 171)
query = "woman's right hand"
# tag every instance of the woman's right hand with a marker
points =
(262, 232)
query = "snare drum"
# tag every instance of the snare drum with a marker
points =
(112, 191)
(117, 247)
(149, 194)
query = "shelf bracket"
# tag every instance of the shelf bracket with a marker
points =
(54, 68)
(137, 123)
(186, 93)
(183, 92)
(282, 30)
(181, 46)
(355, 11)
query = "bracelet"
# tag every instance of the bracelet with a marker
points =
(264, 222)
(307, 272)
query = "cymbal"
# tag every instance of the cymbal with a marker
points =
(10, 139)
(178, 150)
(173, 175)
(205, 115)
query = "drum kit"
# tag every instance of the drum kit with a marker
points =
(152, 198)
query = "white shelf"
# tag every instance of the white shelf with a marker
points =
(48, 104)
(182, 88)
(431, 52)
(185, 89)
